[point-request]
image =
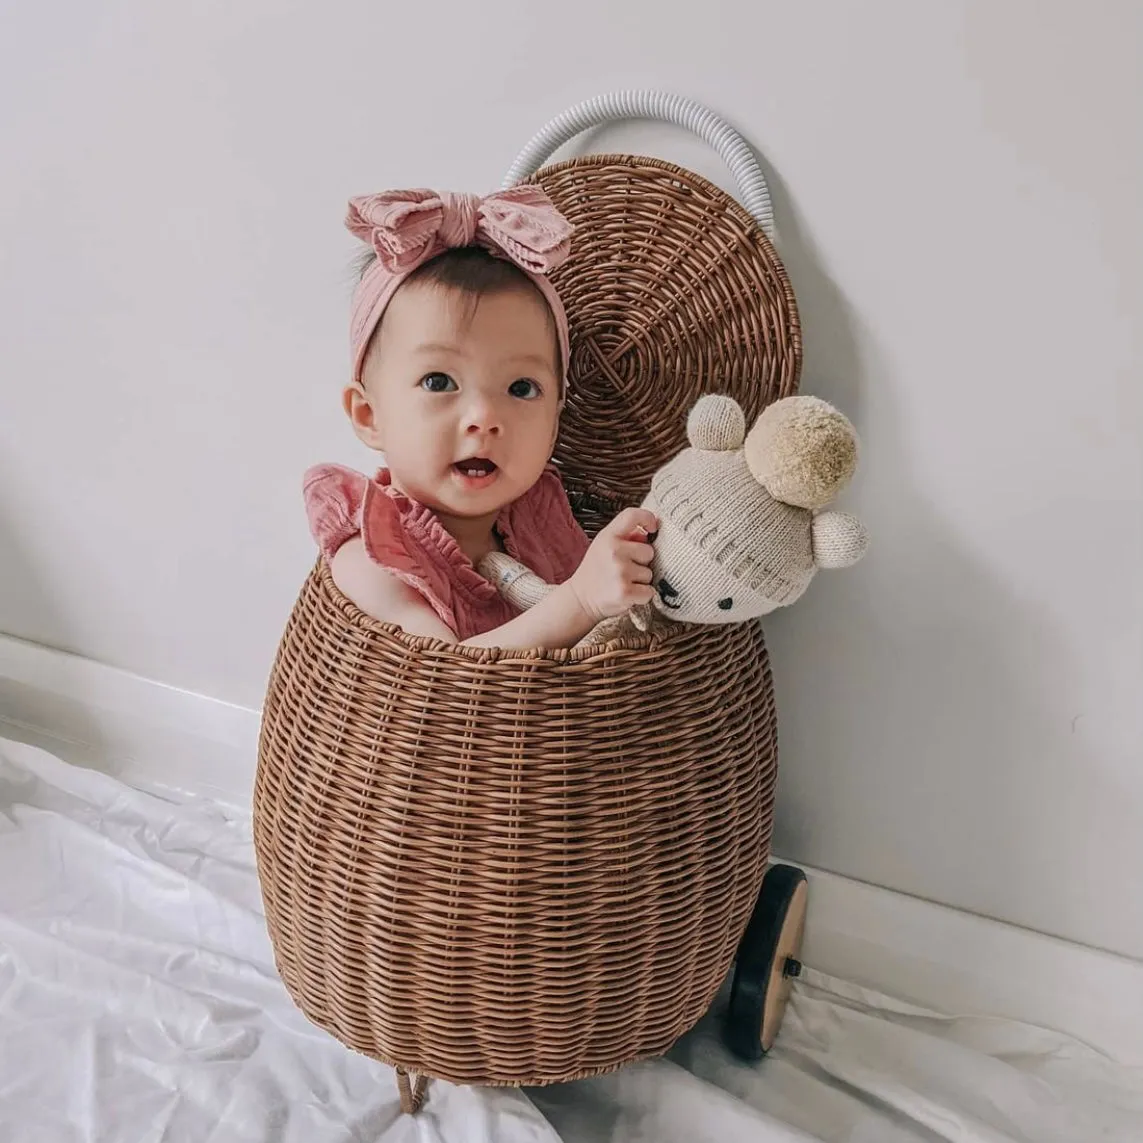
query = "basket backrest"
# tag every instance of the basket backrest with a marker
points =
(673, 290)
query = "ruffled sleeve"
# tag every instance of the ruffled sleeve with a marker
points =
(342, 504)
(334, 496)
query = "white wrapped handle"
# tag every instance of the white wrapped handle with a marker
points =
(667, 108)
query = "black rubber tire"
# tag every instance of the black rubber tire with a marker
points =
(754, 964)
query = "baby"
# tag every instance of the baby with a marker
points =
(460, 353)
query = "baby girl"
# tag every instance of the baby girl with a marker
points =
(459, 361)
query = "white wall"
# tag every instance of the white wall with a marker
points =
(958, 187)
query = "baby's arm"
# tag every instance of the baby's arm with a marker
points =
(384, 596)
(558, 621)
(615, 574)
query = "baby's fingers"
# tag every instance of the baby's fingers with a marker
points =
(632, 520)
(636, 551)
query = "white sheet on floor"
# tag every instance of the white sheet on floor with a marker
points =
(139, 1004)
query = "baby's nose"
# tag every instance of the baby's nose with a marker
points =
(482, 418)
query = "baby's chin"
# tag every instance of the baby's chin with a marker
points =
(463, 497)
(468, 498)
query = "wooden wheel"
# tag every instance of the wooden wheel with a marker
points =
(767, 963)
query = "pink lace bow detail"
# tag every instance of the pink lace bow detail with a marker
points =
(408, 227)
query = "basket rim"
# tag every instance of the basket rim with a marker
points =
(649, 648)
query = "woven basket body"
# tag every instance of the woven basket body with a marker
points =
(526, 867)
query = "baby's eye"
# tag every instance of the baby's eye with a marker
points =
(525, 388)
(725, 604)
(437, 383)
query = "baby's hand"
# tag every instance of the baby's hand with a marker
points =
(615, 575)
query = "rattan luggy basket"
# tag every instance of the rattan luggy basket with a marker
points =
(501, 867)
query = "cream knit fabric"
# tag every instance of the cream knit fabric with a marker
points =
(721, 529)
(737, 522)
(741, 526)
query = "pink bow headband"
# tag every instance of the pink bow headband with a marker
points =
(408, 228)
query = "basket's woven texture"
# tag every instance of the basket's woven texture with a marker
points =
(672, 290)
(516, 870)
(507, 867)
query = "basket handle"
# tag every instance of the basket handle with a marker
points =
(666, 108)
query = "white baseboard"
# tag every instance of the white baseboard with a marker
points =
(940, 958)
(133, 727)
(959, 963)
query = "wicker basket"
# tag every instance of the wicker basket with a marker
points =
(515, 867)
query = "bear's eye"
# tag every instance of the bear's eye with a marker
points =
(725, 604)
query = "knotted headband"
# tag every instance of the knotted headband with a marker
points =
(408, 228)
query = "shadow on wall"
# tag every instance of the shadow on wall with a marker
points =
(915, 735)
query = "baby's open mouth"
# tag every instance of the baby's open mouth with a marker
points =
(475, 466)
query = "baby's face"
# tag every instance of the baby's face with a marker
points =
(465, 396)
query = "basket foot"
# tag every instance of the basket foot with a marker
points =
(412, 1093)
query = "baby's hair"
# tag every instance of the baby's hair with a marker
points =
(466, 269)
(470, 271)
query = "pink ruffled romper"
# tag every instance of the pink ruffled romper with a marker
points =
(409, 542)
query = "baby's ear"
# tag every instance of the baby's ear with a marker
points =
(839, 539)
(359, 409)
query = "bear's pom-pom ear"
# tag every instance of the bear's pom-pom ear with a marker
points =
(802, 451)
(716, 424)
(839, 540)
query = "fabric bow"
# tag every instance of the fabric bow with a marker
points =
(406, 228)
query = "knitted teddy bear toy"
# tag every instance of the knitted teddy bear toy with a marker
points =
(742, 526)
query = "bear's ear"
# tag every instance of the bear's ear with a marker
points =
(716, 424)
(839, 539)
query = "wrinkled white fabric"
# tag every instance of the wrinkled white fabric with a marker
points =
(139, 1004)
